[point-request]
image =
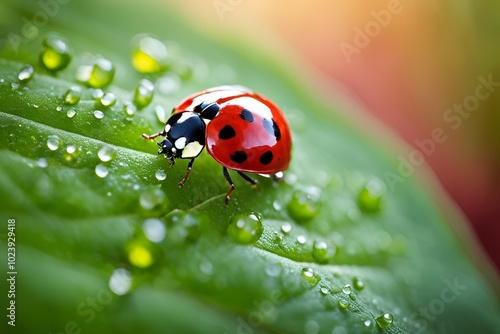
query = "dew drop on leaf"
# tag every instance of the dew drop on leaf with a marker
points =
(129, 109)
(324, 291)
(370, 196)
(149, 55)
(42, 163)
(343, 303)
(108, 100)
(367, 323)
(152, 198)
(305, 204)
(320, 251)
(245, 229)
(301, 240)
(310, 276)
(98, 114)
(161, 114)
(120, 281)
(160, 175)
(358, 283)
(347, 289)
(56, 53)
(98, 74)
(154, 229)
(71, 112)
(101, 171)
(26, 73)
(286, 228)
(384, 320)
(73, 95)
(53, 142)
(106, 153)
(143, 93)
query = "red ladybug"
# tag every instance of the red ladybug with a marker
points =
(242, 131)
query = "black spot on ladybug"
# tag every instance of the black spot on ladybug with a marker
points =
(272, 128)
(238, 157)
(227, 132)
(266, 158)
(246, 115)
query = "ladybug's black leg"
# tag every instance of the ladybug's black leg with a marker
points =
(188, 170)
(151, 137)
(231, 184)
(248, 179)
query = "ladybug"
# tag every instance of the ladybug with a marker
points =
(242, 130)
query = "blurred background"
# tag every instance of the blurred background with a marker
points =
(415, 65)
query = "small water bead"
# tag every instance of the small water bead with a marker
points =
(305, 204)
(358, 283)
(324, 291)
(26, 73)
(343, 303)
(140, 256)
(73, 95)
(310, 276)
(384, 320)
(129, 109)
(277, 206)
(106, 153)
(301, 240)
(143, 94)
(97, 75)
(53, 142)
(347, 289)
(101, 171)
(367, 322)
(154, 229)
(59, 108)
(42, 163)
(152, 198)
(71, 112)
(56, 53)
(108, 100)
(149, 54)
(160, 175)
(278, 239)
(120, 281)
(370, 196)
(320, 251)
(97, 94)
(14, 85)
(245, 229)
(286, 228)
(98, 114)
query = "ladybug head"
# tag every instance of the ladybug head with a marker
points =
(168, 150)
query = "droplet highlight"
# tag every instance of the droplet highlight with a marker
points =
(26, 73)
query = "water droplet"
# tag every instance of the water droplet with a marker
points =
(161, 114)
(310, 276)
(384, 320)
(101, 171)
(56, 53)
(305, 204)
(53, 142)
(71, 112)
(152, 198)
(160, 175)
(245, 229)
(343, 303)
(324, 291)
(154, 229)
(286, 228)
(277, 206)
(367, 322)
(149, 54)
(129, 109)
(321, 251)
(59, 108)
(97, 94)
(311, 327)
(98, 74)
(358, 283)
(106, 153)
(140, 256)
(278, 239)
(206, 268)
(73, 95)
(347, 289)
(42, 163)
(98, 114)
(14, 85)
(120, 281)
(301, 240)
(143, 94)
(370, 197)
(108, 100)
(26, 73)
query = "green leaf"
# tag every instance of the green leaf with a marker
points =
(347, 244)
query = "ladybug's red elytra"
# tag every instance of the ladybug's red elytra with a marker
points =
(242, 130)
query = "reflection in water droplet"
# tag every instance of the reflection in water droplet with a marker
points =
(310, 276)
(370, 197)
(98, 114)
(140, 256)
(120, 281)
(56, 53)
(160, 175)
(106, 153)
(384, 320)
(245, 229)
(73, 95)
(305, 204)
(154, 229)
(26, 73)
(286, 228)
(53, 142)
(143, 94)
(71, 112)
(101, 171)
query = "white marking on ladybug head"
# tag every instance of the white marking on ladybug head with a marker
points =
(192, 150)
(180, 143)
(184, 117)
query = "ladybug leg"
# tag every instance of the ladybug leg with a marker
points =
(231, 184)
(151, 137)
(188, 170)
(249, 180)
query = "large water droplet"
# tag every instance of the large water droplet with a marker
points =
(108, 100)
(106, 153)
(26, 73)
(321, 252)
(370, 197)
(154, 229)
(149, 54)
(56, 53)
(305, 204)
(384, 320)
(143, 94)
(53, 142)
(160, 175)
(245, 229)
(152, 198)
(73, 95)
(310, 276)
(120, 281)
(101, 171)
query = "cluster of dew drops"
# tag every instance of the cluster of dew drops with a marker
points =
(152, 56)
